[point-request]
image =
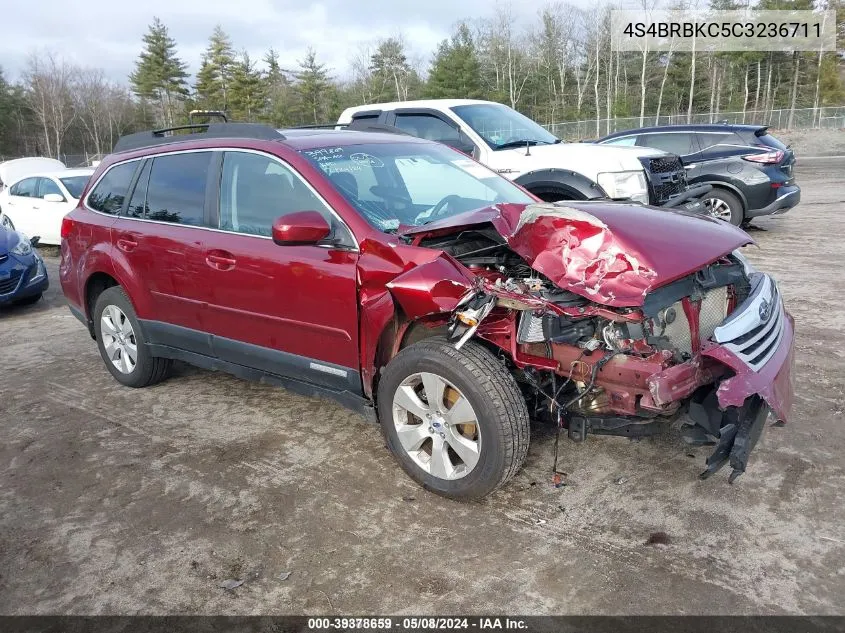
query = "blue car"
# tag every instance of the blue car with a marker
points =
(23, 277)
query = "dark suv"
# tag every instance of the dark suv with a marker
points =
(750, 170)
(409, 282)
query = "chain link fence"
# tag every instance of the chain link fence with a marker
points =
(802, 118)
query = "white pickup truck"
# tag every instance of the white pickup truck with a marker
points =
(523, 151)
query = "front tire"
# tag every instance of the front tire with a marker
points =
(455, 420)
(724, 205)
(121, 342)
(7, 222)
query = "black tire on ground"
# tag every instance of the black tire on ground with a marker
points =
(29, 300)
(148, 369)
(495, 398)
(730, 199)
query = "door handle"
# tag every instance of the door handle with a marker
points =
(126, 244)
(220, 260)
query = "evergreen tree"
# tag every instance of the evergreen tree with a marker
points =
(278, 108)
(159, 74)
(215, 76)
(392, 76)
(248, 90)
(313, 89)
(455, 71)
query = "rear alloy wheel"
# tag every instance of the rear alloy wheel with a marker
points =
(121, 342)
(455, 420)
(724, 205)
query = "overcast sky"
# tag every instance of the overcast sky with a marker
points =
(107, 33)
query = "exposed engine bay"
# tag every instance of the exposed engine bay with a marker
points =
(693, 346)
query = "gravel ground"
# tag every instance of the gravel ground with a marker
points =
(120, 501)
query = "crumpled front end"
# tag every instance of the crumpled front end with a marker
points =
(613, 323)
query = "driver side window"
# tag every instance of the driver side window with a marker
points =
(256, 190)
(48, 186)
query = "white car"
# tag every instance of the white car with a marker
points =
(36, 203)
(518, 148)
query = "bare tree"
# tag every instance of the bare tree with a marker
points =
(49, 89)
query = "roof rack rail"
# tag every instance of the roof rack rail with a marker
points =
(197, 132)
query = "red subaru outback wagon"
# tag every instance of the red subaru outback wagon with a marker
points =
(418, 287)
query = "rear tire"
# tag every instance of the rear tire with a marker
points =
(476, 387)
(724, 205)
(121, 342)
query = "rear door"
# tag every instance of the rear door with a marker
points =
(160, 237)
(288, 310)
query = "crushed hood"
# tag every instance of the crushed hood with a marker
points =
(610, 252)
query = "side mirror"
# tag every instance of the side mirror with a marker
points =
(34, 241)
(300, 228)
(54, 197)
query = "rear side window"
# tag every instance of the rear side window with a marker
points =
(706, 140)
(680, 143)
(110, 193)
(176, 191)
(25, 188)
(625, 141)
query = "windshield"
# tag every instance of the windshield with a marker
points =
(393, 184)
(75, 185)
(501, 127)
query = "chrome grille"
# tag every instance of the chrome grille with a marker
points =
(755, 329)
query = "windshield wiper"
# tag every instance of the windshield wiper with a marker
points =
(523, 143)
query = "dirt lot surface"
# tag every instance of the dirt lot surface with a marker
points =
(827, 142)
(123, 501)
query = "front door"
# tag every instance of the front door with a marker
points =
(287, 310)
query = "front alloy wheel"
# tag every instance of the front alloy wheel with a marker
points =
(436, 426)
(455, 420)
(7, 223)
